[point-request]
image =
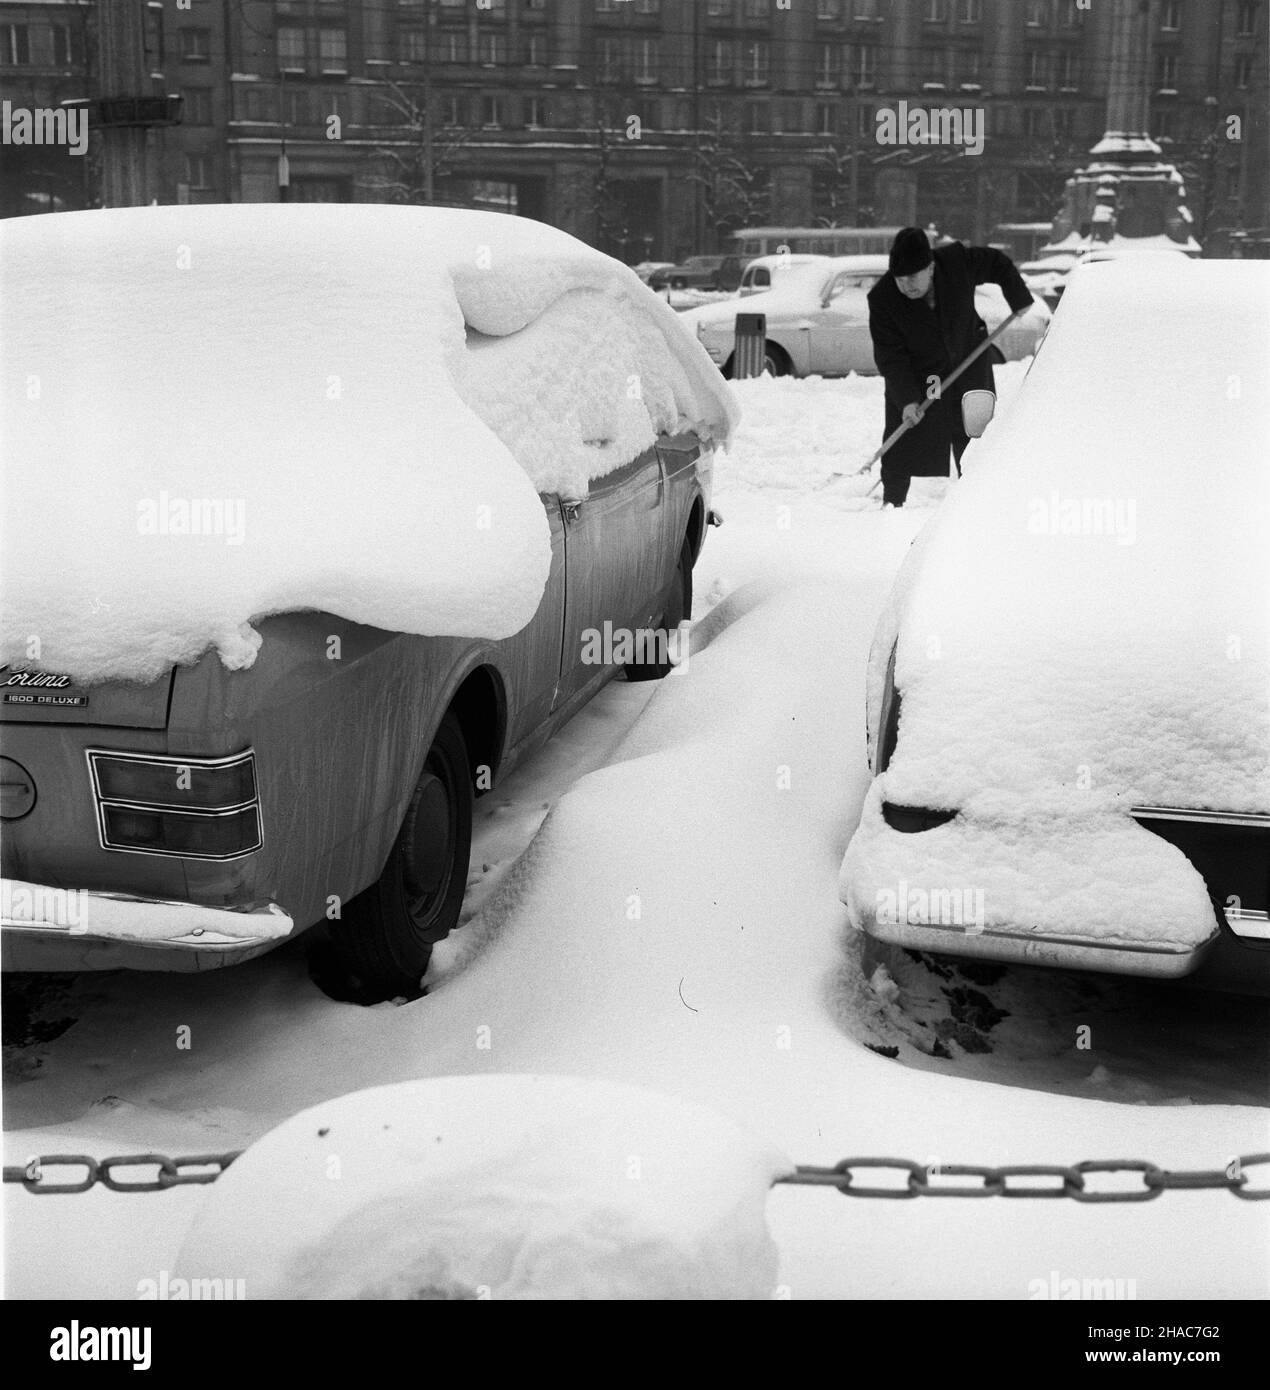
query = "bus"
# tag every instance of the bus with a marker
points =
(822, 241)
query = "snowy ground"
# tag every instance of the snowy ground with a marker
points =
(719, 803)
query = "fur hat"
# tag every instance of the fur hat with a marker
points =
(910, 252)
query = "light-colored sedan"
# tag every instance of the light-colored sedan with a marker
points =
(1069, 730)
(818, 319)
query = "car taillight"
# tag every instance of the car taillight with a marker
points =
(197, 808)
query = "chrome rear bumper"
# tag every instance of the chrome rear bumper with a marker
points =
(80, 915)
(1028, 948)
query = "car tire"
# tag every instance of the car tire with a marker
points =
(775, 362)
(382, 942)
(678, 609)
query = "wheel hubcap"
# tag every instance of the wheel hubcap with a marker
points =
(429, 850)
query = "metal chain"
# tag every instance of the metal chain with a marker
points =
(33, 1177)
(921, 1180)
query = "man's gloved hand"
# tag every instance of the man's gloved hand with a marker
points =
(912, 413)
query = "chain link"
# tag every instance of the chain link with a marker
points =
(920, 1180)
(33, 1177)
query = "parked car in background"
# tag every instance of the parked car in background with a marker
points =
(700, 273)
(1067, 716)
(202, 816)
(765, 271)
(818, 319)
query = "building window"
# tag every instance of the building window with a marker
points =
(719, 9)
(1165, 123)
(1036, 70)
(414, 46)
(297, 109)
(609, 61)
(757, 9)
(290, 48)
(1243, 71)
(1033, 122)
(491, 50)
(452, 111)
(196, 46)
(491, 111)
(536, 113)
(1246, 22)
(1170, 15)
(757, 117)
(967, 66)
(1038, 13)
(257, 104)
(756, 63)
(198, 173)
(866, 67)
(333, 50)
(828, 9)
(971, 11)
(719, 61)
(647, 59)
(828, 65)
(15, 45)
(1064, 122)
(535, 4)
(1166, 71)
(66, 46)
(936, 11)
(648, 7)
(826, 118)
(866, 122)
(536, 51)
(940, 66)
(864, 9)
(453, 46)
(1067, 71)
(196, 106)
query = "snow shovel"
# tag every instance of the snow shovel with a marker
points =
(925, 405)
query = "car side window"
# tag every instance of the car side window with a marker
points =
(761, 278)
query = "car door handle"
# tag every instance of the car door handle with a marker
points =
(572, 509)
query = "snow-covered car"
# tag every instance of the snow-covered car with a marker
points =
(317, 520)
(818, 320)
(764, 271)
(1069, 689)
(700, 273)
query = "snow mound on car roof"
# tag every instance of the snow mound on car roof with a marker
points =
(213, 414)
(1090, 626)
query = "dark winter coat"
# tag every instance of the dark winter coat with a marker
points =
(912, 343)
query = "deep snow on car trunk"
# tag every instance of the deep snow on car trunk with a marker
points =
(673, 922)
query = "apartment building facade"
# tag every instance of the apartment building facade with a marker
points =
(653, 127)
